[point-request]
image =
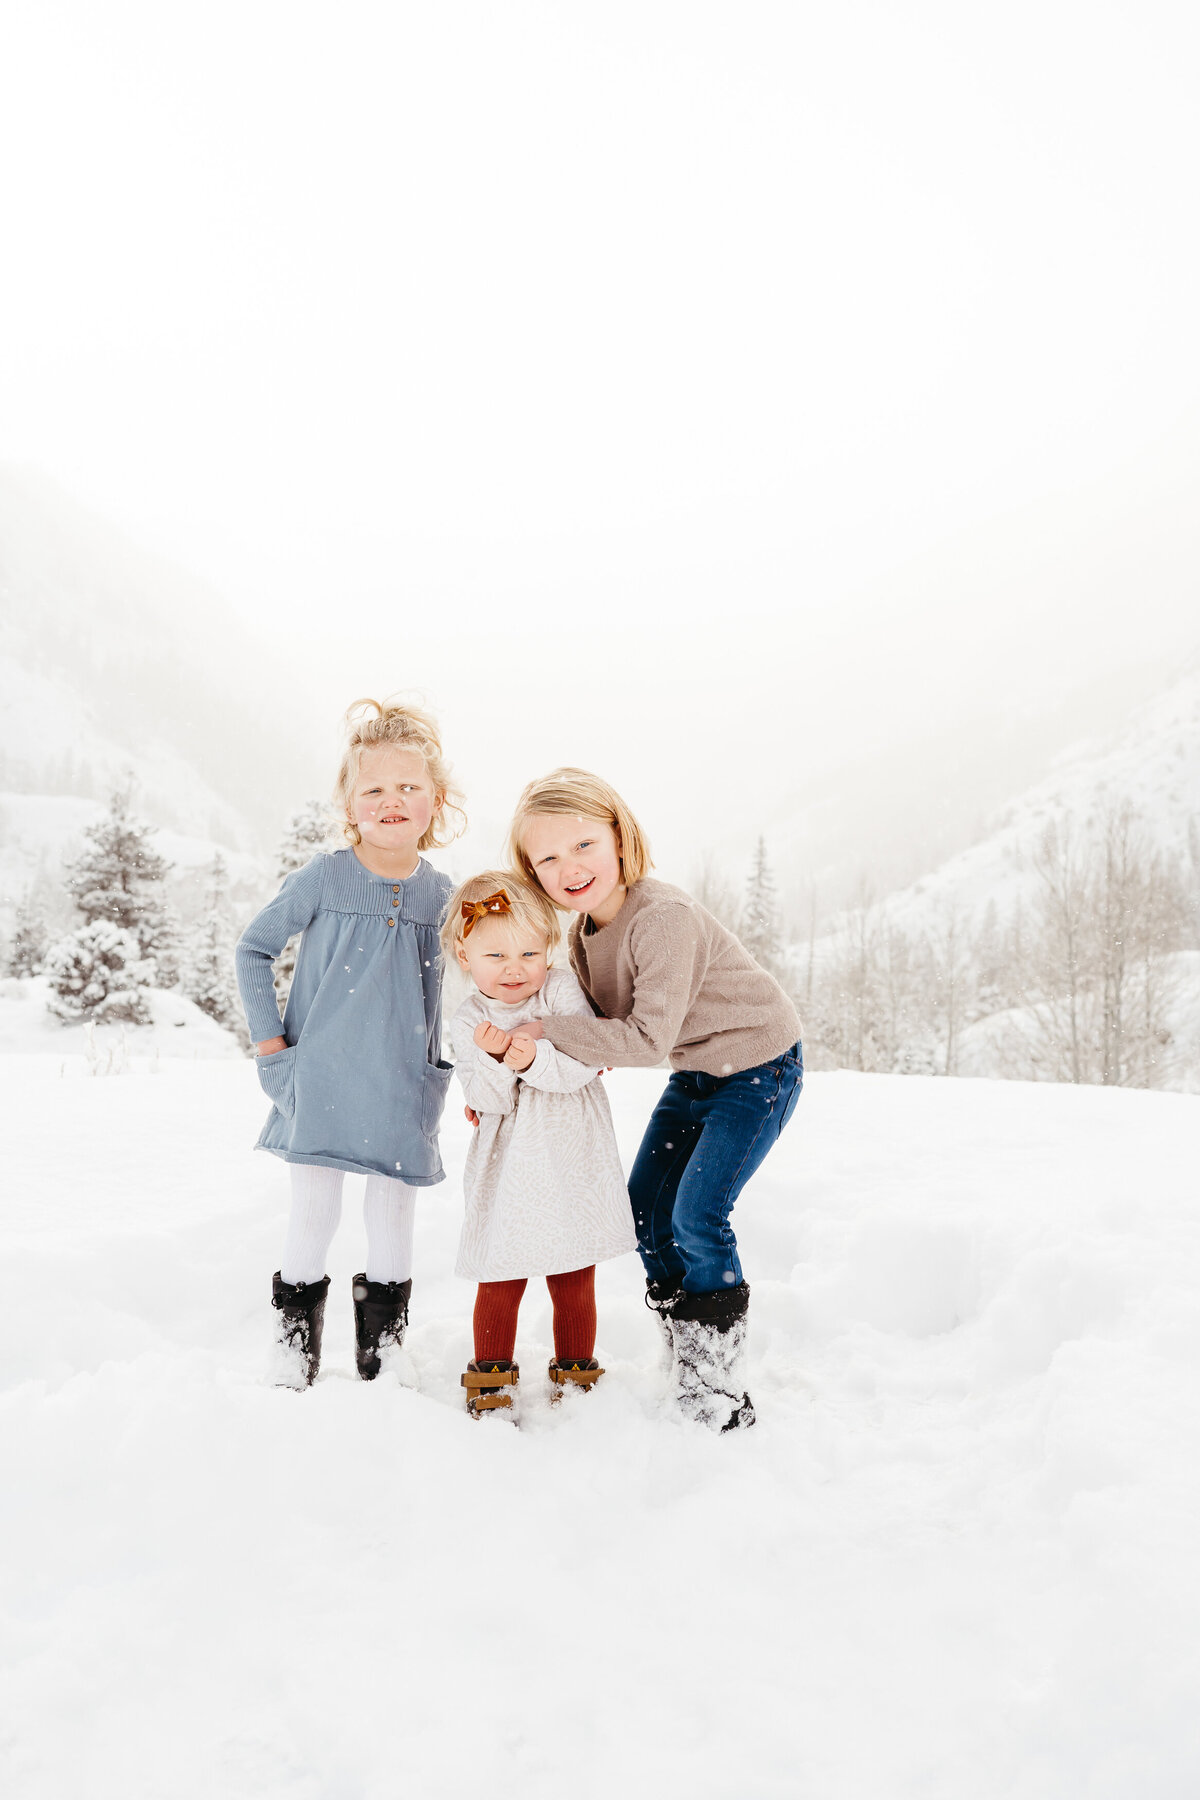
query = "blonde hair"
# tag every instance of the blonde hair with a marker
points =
(574, 793)
(530, 907)
(399, 727)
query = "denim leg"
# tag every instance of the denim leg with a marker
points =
(669, 1140)
(740, 1118)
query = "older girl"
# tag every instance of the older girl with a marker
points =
(672, 983)
(355, 1077)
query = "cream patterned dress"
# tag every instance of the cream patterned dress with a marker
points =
(543, 1184)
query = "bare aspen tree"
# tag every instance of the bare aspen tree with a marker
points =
(715, 894)
(1061, 912)
(1118, 879)
(812, 942)
(950, 960)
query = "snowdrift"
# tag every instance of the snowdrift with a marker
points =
(956, 1560)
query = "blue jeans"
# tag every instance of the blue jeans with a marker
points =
(706, 1137)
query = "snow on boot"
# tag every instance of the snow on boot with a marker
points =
(572, 1371)
(490, 1384)
(710, 1340)
(300, 1307)
(380, 1316)
(661, 1296)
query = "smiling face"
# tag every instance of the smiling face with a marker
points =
(506, 962)
(578, 862)
(392, 803)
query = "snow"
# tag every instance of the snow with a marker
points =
(957, 1558)
(176, 1029)
(999, 1040)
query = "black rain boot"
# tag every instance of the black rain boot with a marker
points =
(301, 1310)
(710, 1340)
(380, 1316)
(661, 1297)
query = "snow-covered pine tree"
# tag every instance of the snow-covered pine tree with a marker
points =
(208, 978)
(760, 931)
(30, 941)
(117, 878)
(307, 832)
(96, 975)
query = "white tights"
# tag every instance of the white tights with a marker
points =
(389, 1209)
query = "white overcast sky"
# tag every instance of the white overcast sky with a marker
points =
(628, 378)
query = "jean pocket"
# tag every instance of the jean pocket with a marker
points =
(433, 1096)
(790, 1103)
(277, 1078)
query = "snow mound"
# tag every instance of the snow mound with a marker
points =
(956, 1560)
(176, 1029)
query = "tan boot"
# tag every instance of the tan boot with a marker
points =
(490, 1385)
(576, 1371)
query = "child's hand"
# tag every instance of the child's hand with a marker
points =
(492, 1039)
(471, 1116)
(270, 1046)
(521, 1051)
(532, 1030)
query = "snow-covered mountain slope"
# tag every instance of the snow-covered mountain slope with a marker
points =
(956, 1560)
(1153, 764)
(114, 663)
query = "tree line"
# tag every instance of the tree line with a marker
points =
(1081, 980)
(129, 940)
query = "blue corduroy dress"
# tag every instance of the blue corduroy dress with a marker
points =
(361, 1085)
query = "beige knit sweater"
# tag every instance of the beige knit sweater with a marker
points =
(672, 982)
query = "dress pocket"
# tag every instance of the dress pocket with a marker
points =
(433, 1096)
(277, 1075)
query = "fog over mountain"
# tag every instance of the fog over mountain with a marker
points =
(116, 663)
(867, 738)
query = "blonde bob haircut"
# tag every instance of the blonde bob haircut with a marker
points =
(530, 908)
(371, 725)
(574, 793)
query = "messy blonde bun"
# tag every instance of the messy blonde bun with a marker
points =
(371, 725)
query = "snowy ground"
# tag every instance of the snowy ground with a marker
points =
(956, 1561)
(176, 1029)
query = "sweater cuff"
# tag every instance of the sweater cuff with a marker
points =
(262, 1017)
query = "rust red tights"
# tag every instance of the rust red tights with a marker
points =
(573, 1297)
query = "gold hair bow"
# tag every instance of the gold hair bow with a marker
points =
(474, 910)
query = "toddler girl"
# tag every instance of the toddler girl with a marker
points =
(355, 1077)
(672, 983)
(543, 1184)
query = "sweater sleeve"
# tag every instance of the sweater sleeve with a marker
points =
(294, 907)
(669, 955)
(553, 1070)
(488, 1086)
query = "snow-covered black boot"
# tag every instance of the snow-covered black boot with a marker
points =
(661, 1297)
(490, 1384)
(380, 1316)
(710, 1341)
(572, 1371)
(300, 1307)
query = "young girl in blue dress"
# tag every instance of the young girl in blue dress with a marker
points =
(355, 1076)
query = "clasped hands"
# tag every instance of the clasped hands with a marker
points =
(515, 1049)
